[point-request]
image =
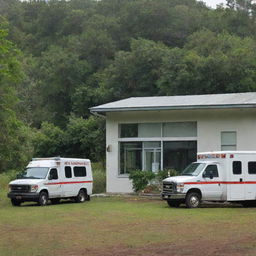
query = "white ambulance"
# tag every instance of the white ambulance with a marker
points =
(216, 176)
(53, 178)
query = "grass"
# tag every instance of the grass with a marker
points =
(124, 226)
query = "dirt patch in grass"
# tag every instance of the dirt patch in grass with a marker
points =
(227, 247)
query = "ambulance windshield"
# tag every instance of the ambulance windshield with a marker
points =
(34, 173)
(193, 169)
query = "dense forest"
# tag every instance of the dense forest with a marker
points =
(59, 58)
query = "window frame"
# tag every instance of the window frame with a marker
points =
(214, 176)
(223, 145)
(160, 139)
(66, 172)
(241, 167)
(250, 162)
(74, 171)
(53, 169)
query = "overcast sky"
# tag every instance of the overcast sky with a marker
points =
(213, 3)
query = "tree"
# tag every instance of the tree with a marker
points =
(210, 63)
(14, 136)
(59, 72)
(85, 138)
(133, 73)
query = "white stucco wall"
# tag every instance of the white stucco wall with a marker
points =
(210, 124)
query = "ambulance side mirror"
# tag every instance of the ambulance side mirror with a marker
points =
(211, 175)
(50, 177)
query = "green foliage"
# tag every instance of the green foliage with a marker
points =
(161, 175)
(48, 141)
(99, 178)
(85, 138)
(15, 147)
(5, 178)
(140, 179)
(135, 72)
(82, 53)
(82, 138)
(210, 63)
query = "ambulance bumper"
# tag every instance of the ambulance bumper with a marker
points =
(166, 196)
(32, 196)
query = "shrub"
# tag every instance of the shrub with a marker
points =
(140, 179)
(161, 175)
(6, 177)
(99, 178)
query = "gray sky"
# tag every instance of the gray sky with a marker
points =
(213, 3)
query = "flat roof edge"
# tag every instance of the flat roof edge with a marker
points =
(122, 109)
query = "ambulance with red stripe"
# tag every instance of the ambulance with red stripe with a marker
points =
(53, 179)
(216, 176)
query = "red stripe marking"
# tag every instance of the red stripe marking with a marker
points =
(69, 182)
(220, 182)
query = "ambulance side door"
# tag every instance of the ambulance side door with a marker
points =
(212, 187)
(53, 184)
(250, 180)
(235, 185)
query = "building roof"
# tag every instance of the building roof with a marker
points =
(207, 101)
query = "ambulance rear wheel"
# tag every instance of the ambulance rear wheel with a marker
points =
(193, 200)
(247, 204)
(173, 203)
(81, 197)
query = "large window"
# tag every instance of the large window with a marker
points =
(128, 130)
(130, 157)
(156, 146)
(178, 154)
(146, 130)
(180, 129)
(228, 140)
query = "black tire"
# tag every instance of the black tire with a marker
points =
(55, 200)
(15, 202)
(173, 203)
(248, 203)
(88, 198)
(193, 200)
(43, 199)
(81, 197)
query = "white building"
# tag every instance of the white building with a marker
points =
(153, 133)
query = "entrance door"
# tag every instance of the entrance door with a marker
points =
(152, 160)
(235, 186)
(151, 157)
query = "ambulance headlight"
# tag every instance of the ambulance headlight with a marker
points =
(33, 188)
(180, 187)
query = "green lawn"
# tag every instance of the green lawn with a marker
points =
(125, 226)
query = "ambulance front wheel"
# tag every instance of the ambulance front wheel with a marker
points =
(43, 198)
(15, 202)
(173, 203)
(193, 200)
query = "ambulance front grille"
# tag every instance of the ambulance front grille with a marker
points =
(169, 187)
(20, 188)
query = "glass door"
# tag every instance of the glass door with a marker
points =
(151, 156)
